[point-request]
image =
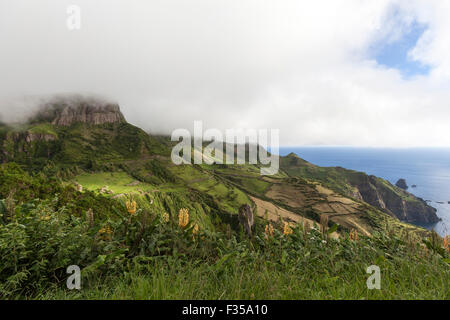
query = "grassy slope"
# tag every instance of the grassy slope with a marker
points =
(125, 148)
(119, 155)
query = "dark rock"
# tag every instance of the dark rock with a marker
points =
(401, 183)
(245, 217)
(414, 186)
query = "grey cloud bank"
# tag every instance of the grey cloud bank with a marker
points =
(300, 66)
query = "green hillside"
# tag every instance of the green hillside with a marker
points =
(66, 188)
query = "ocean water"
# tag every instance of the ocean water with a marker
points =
(428, 168)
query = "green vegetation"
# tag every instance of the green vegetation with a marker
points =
(143, 255)
(118, 182)
(95, 147)
(44, 128)
(65, 199)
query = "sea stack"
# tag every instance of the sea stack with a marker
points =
(401, 183)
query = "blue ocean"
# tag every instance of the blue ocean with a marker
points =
(427, 168)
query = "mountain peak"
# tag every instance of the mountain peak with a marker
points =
(66, 110)
(292, 155)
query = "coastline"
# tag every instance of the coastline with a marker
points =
(426, 168)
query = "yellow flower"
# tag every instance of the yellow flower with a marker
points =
(195, 230)
(46, 217)
(268, 230)
(183, 218)
(287, 230)
(106, 230)
(105, 233)
(354, 235)
(131, 207)
(166, 217)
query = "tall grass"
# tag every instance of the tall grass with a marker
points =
(261, 279)
(300, 266)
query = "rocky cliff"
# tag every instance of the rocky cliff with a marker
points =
(86, 132)
(39, 140)
(394, 200)
(67, 111)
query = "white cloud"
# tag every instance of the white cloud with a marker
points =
(301, 66)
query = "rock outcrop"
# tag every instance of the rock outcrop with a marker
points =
(78, 186)
(24, 142)
(67, 111)
(401, 183)
(31, 136)
(246, 219)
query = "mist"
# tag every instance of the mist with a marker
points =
(306, 68)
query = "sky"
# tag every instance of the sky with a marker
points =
(395, 54)
(324, 72)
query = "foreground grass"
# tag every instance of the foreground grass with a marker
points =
(312, 278)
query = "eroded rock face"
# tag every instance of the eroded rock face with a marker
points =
(30, 137)
(15, 143)
(65, 112)
(245, 216)
(89, 114)
(413, 210)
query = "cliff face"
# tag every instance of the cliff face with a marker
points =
(26, 144)
(45, 135)
(395, 201)
(89, 114)
(80, 110)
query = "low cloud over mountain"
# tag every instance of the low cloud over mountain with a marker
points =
(307, 68)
